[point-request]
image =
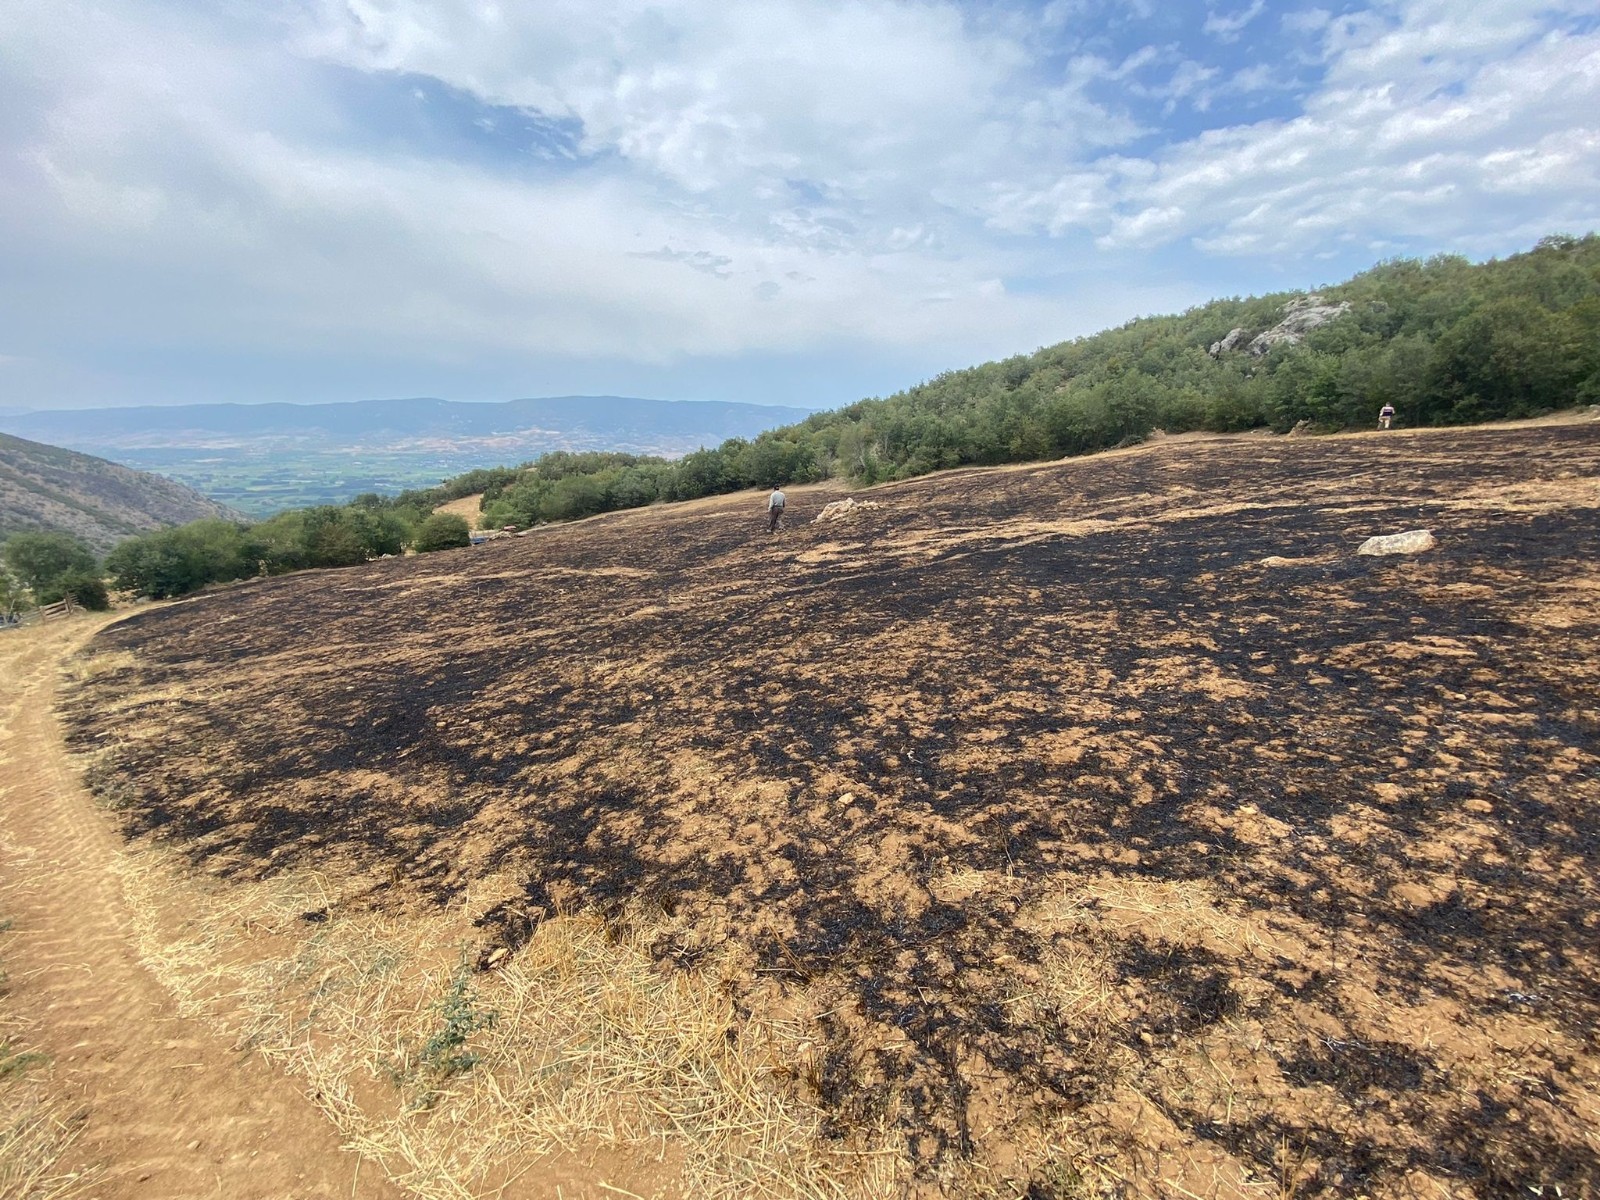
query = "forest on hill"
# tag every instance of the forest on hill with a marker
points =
(1444, 340)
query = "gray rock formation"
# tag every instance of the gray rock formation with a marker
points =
(1300, 317)
(1235, 339)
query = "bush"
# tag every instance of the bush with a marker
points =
(442, 531)
(86, 589)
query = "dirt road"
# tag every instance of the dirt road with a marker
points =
(167, 1109)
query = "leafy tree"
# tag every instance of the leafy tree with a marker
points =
(330, 539)
(14, 597)
(519, 503)
(381, 532)
(572, 497)
(702, 473)
(442, 531)
(639, 484)
(174, 562)
(40, 559)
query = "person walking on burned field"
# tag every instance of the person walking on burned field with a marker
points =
(1385, 416)
(775, 503)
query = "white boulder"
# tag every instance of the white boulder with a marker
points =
(1413, 541)
(842, 508)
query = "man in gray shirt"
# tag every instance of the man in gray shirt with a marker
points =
(775, 504)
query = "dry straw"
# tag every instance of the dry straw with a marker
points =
(579, 1048)
(35, 1130)
(34, 1136)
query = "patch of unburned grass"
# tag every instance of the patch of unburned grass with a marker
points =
(91, 666)
(34, 1135)
(576, 1047)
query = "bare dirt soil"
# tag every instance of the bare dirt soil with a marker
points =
(1116, 828)
(135, 1099)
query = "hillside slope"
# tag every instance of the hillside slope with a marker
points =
(1104, 827)
(47, 488)
(1444, 341)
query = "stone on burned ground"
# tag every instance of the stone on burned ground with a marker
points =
(1413, 541)
(842, 508)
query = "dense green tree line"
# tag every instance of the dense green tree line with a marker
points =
(1444, 340)
(173, 562)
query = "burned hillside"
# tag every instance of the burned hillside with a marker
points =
(1071, 788)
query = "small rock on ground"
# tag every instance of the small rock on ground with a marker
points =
(1413, 541)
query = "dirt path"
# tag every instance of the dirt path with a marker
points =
(169, 1110)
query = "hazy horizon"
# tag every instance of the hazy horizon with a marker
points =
(22, 408)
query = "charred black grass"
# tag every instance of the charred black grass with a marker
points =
(538, 701)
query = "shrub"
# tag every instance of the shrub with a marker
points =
(442, 531)
(86, 588)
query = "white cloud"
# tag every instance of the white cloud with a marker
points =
(1454, 124)
(1306, 21)
(763, 177)
(1228, 27)
(881, 102)
(184, 180)
(1190, 80)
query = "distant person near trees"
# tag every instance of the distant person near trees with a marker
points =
(775, 503)
(1385, 416)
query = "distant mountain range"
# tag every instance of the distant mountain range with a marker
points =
(48, 488)
(260, 458)
(621, 422)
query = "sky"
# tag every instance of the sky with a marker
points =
(775, 201)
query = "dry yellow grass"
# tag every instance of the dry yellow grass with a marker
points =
(34, 1134)
(593, 1052)
(468, 508)
(1261, 883)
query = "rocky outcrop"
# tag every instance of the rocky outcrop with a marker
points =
(1300, 317)
(1235, 339)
